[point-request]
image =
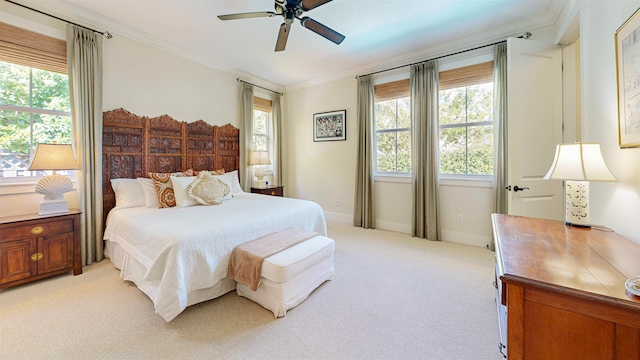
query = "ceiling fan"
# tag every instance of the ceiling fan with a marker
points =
(292, 9)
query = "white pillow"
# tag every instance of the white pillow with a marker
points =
(150, 194)
(128, 193)
(227, 178)
(235, 182)
(180, 184)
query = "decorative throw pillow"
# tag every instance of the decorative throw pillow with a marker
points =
(214, 172)
(164, 187)
(207, 190)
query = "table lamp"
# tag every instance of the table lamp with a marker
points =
(260, 158)
(578, 164)
(53, 157)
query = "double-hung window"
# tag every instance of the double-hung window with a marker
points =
(466, 120)
(262, 110)
(393, 128)
(34, 97)
(465, 105)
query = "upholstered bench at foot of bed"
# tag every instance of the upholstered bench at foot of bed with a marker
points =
(289, 276)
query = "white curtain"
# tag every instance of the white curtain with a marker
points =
(424, 154)
(363, 214)
(84, 61)
(246, 136)
(278, 152)
(500, 130)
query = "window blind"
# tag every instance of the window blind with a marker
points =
(464, 76)
(27, 48)
(262, 104)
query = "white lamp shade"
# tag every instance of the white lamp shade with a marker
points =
(579, 162)
(53, 157)
(259, 158)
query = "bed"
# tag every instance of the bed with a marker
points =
(178, 256)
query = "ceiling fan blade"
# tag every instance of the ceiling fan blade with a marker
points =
(247, 15)
(283, 35)
(312, 4)
(322, 30)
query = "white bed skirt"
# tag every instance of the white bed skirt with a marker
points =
(134, 271)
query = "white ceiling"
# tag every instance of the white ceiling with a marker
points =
(378, 33)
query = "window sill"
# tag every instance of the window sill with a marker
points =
(444, 180)
(24, 185)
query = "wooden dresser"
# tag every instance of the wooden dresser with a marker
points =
(561, 293)
(33, 247)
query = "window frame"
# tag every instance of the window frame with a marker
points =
(466, 125)
(264, 105)
(445, 64)
(28, 176)
(20, 31)
(397, 132)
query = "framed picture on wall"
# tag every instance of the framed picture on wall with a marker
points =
(627, 40)
(330, 126)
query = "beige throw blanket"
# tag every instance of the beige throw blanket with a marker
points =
(245, 265)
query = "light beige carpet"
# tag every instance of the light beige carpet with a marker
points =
(393, 297)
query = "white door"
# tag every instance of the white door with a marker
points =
(534, 128)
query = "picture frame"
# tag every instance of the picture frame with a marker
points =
(330, 126)
(627, 43)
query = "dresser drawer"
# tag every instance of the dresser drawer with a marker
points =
(36, 230)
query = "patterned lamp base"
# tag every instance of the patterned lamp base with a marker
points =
(577, 203)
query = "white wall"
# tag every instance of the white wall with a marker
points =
(615, 205)
(150, 82)
(321, 171)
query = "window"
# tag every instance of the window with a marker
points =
(465, 123)
(466, 120)
(393, 128)
(261, 123)
(34, 97)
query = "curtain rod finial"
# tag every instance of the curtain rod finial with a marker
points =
(108, 35)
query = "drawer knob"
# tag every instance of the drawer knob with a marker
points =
(273, 192)
(36, 256)
(37, 230)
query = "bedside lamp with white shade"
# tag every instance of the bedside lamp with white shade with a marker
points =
(578, 164)
(53, 157)
(260, 159)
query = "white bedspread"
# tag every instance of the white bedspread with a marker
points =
(187, 249)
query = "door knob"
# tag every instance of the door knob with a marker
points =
(516, 188)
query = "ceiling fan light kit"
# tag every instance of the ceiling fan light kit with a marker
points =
(290, 10)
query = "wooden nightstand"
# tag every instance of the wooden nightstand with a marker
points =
(273, 190)
(33, 247)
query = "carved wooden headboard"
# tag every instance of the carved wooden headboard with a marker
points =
(133, 146)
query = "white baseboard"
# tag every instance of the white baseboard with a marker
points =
(392, 226)
(343, 218)
(452, 236)
(467, 239)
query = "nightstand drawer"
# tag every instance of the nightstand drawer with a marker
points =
(270, 190)
(36, 230)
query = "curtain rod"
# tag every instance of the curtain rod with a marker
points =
(246, 82)
(106, 34)
(526, 35)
